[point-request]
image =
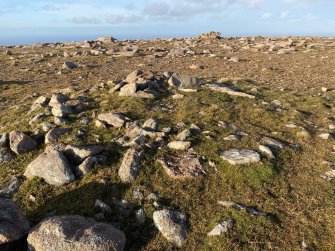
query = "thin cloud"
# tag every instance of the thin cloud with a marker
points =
(84, 20)
(122, 18)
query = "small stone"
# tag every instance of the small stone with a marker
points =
(267, 151)
(68, 65)
(140, 216)
(324, 136)
(104, 206)
(232, 138)
(6, 155)
(221, 228)
(150, 125)
(179, 145)
(184, 135)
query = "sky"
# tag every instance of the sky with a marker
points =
(25, 22)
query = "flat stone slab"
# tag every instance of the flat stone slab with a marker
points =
(227, 89)
(240, 156)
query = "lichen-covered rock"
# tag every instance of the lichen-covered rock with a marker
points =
(52, 166)
(172, 225)
(241, 156)
(130, 164)
(75, 233)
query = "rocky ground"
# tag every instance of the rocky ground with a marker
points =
(203, 143)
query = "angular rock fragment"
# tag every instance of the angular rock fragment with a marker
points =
(61, 111)
(221, 228)
(130, 164)
(52, 166)
(150, 125)
(185, 83)
(172, 225)
(115, 119)
(20, 143)
(179, 145)
(68, 65)
(240, 156)
(55, 133)
(273, 143)
(75, 233)
(77, 154)
(267, 151)
(87, 165)
(8, 189)
(6, 155)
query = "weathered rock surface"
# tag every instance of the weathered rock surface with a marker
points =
(6, 155)
(21, 143)
(130, 164)
(185, 83)
(112, 118)
(55, 133)
(13, 225)
(227, 89)
(179, 145)
(240, 156)
(75, 233)
(221, 228)
(172, 225)
(52, 166)
(77, 154)
(184, 166)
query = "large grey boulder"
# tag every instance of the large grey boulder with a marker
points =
(185, 83)
(112, 118)
(21, 143)
(13, 225)
(130, 164)
(75, 233)
(240, 156)
(52, 166)
(172, 225)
